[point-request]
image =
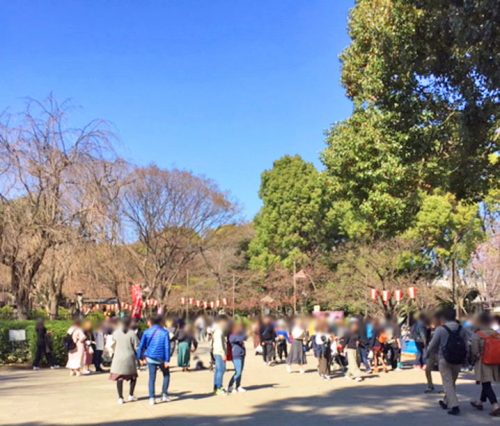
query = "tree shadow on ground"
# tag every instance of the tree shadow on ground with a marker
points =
(353, 405)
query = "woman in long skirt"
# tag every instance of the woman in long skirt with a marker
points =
(124, 365)
(77, 354)
(297, 356)
(186, 343)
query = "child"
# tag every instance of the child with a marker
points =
(237, 340)
(282, 340)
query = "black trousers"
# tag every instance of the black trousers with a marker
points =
(487, 393)
(40, 351)
(268, 351)
(97, 360)
(282, 350)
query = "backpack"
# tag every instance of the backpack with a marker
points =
(455, 349)
(491, 349)
(69, 343)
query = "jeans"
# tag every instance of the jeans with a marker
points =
(238, 363)
(420, 361)
(363, 355)
(220, 368)
(152, 368)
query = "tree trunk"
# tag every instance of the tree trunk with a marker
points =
(21, 295)
(53, 306)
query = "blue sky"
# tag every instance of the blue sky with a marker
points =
(221, 88)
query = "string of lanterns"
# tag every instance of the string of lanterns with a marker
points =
(204, 303)
(398, 294)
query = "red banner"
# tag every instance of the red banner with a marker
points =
(136, 292)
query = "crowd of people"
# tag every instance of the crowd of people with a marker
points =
(356, 347)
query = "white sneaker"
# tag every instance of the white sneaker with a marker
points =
(358, 379)
(241, 389)
(36, 368)
(55, 367)
(288, 369)
(166, 398)
(302, 371)
(131, 398)
(120, 401)
(152, 401)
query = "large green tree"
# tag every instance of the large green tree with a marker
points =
(423, 77)
(292, 224)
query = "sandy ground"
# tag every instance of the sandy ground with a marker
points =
(274, 397)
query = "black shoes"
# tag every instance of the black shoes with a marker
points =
(455, 411)
(443, 405)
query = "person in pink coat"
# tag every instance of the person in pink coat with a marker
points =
(76, 357)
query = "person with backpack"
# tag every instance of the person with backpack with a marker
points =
(154, 351)
(449, 342)
(74, 343)
(485, 350)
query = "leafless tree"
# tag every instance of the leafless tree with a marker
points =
(48, 177)
(170, 213)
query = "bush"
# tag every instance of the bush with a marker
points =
(23, 352)
(6, 313)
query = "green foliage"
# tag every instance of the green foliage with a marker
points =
(22, 352)
(448, 229)
(292, 224)
(7, 313)
(430, 66)
(372, 186)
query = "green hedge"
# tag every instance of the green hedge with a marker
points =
(23, 352)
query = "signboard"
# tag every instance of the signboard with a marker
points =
(17, 335)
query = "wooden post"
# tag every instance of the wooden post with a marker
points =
(234, 285)
(187, 295)
(294, 288)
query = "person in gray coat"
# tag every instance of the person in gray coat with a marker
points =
(124, 365)
(449, 372)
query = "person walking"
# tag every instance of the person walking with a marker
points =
(449, 341)
(124, 365)
(419, 334)
(186, 343)
(43, 346)
(98, 347)
(76, 353)
(431, 359)
(237, 340)
(282, 340)
(485, 374)
(267, 340)
(219, 350)
(297, 355)
(154, 351)
(351, 343)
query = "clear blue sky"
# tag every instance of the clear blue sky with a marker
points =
(221, 88)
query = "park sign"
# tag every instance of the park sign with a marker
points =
(17, 335)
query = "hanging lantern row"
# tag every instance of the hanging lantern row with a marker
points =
(199, 303)
(398, 294)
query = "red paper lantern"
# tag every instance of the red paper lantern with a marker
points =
(374, 293)
(205, 304)
(212, 304)
(412, 292)
(398, 294)
(217, 303)
(191, 300)
(183, 300)
(224, 301)
(197, 303)
(386, 295)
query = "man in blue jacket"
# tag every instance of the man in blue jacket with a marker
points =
(154, 350)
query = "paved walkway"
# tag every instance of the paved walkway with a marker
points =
(274, 398)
